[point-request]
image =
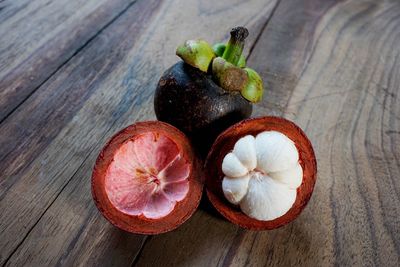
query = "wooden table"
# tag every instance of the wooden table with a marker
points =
(73, 72)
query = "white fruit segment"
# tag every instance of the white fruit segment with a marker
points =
(291, 177)
(235, 188)
(262, 175)
(245, 151)
(275, 152)
(147, 176)
(267, 199)
(232, 167)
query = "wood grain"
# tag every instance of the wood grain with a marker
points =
(29, 185)
(39, 36)
(50, 143)
(333, 68)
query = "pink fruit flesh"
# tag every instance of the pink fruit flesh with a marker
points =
(148, 176)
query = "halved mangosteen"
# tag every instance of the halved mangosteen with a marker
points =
(260, 173)
(147, 178)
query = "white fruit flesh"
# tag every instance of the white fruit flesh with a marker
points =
(148, 176)
(235, 188)
(245, 151)
(275, 151)
(292, 177)
(262, 175)
(267, 199)
(232, 167)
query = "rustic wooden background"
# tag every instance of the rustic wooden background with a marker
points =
(73, 72)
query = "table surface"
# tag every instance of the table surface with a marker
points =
(73, 72)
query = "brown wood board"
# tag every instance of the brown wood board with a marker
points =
(104, 87)
(38, 37)
(322, 69)
(330, 66)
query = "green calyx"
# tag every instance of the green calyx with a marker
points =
(228, 65)
(228, 76)
(219, 49)
(197, 53)
(253, 91)
(232, 78)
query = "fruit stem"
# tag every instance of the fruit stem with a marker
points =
(234, 47)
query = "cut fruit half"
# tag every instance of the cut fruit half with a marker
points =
(227, 156)
(147, 179)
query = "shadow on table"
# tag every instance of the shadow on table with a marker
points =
(207, 239)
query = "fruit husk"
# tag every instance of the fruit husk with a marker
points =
(191, 101)
(225, 143)
(182, 211)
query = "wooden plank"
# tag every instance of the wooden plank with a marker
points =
(107, 85)
(333, 68)
(30, 188)
(37, 37)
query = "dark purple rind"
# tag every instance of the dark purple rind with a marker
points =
(190, 100)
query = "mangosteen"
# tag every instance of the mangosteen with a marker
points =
(261, 172)
(209, 90)
(147, 179)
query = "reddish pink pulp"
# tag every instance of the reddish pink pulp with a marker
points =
(147, 176)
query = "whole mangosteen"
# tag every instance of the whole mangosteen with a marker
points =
(210, 90)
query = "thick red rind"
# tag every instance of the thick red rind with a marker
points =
(225, 143)
(182, 211)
